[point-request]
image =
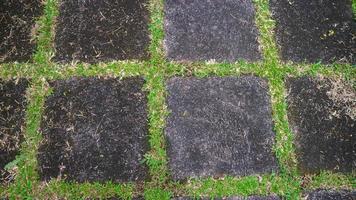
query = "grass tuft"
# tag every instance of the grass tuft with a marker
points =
(156, 193)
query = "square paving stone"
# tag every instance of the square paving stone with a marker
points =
(198, 30)
(102, 30)
(219, 126)
(322, 115)
(12, 121)
(17, 22)
(95, 129)
(315, 30)
(331, 195)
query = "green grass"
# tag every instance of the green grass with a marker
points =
(63, 190)
(286, 183)
(26, 180)
(330, 180)
(156, 158)
(157, 193)
(230, 186)
(45, 34)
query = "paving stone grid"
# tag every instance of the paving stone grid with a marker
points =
(246, 113)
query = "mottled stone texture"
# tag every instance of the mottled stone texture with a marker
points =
(219, 126)
(198, 30)
(12, 121)
(322, 115)
(102, 30)
(17, 27)
(331, 195)
(315, 30)
(95, 129)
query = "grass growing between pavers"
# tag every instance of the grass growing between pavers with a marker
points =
(25, 183)
(46, 34)
(275, 73)
(156, 193)
(65, 190)
(328, 180)
(156, 158)
(155, 71)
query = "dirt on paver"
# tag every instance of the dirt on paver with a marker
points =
(95, 129)
(314, 30)
(102, 30)
(12, 121)
(201, 30)
(219, 126)
(17, 22)
(323, 123)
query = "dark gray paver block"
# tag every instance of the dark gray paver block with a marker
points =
(314, 30)
(12, 120)
(102, 30)
(198, 30)
(331, 195)
(219, 126)
(17, 22)
(95, 129)
(322, 115)
(232, 198)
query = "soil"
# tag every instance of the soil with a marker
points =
(219, 126)
(17, 22)
(325, 132)
(95, 129)
(314, 30)
(12, 121)
(200, 30)
(331, 195)
(102, 30)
